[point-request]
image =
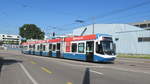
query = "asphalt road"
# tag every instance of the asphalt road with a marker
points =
(17, 68)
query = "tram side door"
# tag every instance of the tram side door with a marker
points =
(58, 53)
(89, 51)
(50, 50)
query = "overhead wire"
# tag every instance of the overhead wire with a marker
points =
(119, 10)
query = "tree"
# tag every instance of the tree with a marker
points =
(31, 31)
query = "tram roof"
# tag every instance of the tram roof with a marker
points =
(68, 39)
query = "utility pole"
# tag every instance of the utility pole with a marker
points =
(93, 19)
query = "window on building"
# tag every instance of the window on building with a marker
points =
(148, 25)
(9, 36)
(143, 25)
(74, 47)
(137, 25)
(81, 47)
(144, 39)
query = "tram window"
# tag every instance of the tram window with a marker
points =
(99, 48)
(43, 47)
(58, 46)
(33, 46)
(25, 47)
(54, 47)
(90, 46)
(30, 46)
(50, 46)
(74, 47)
(81, 48)
(38, 47)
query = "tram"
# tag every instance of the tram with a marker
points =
(92, 48)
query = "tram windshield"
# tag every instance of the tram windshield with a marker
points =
(105, 47)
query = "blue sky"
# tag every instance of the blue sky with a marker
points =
(62, 14)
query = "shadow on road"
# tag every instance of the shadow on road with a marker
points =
(7, 62)
(86, 78)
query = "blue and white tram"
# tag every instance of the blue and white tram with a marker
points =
(96, 47)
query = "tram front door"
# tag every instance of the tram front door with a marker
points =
(89, 51)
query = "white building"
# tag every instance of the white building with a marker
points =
(10, 39)
(129, 39)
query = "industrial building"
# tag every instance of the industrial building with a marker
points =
(143, 25)
(129, 39)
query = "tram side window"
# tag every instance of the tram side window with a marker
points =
(81, 47)
(33, 46)
(25, 47)
(90, 46)
(50, 46)
(30, 46)
(38, 47)
(74, 47)
(43, 47)
(99, 48)
(54, 47)
(58, 46)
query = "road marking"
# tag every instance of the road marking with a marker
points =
(46, 70)
(69, 83)
(64, 60)
(33, 62)
(96, 72)
(95, 66)
(28, 74)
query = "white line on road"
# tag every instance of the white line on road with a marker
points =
(96, 72)
(27, 73)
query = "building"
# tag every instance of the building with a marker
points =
(10, 39)
(129, 39)
(143, 25)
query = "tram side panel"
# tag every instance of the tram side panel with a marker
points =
(45, 49)
(71, 51)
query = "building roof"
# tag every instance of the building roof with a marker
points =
(106, 29)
